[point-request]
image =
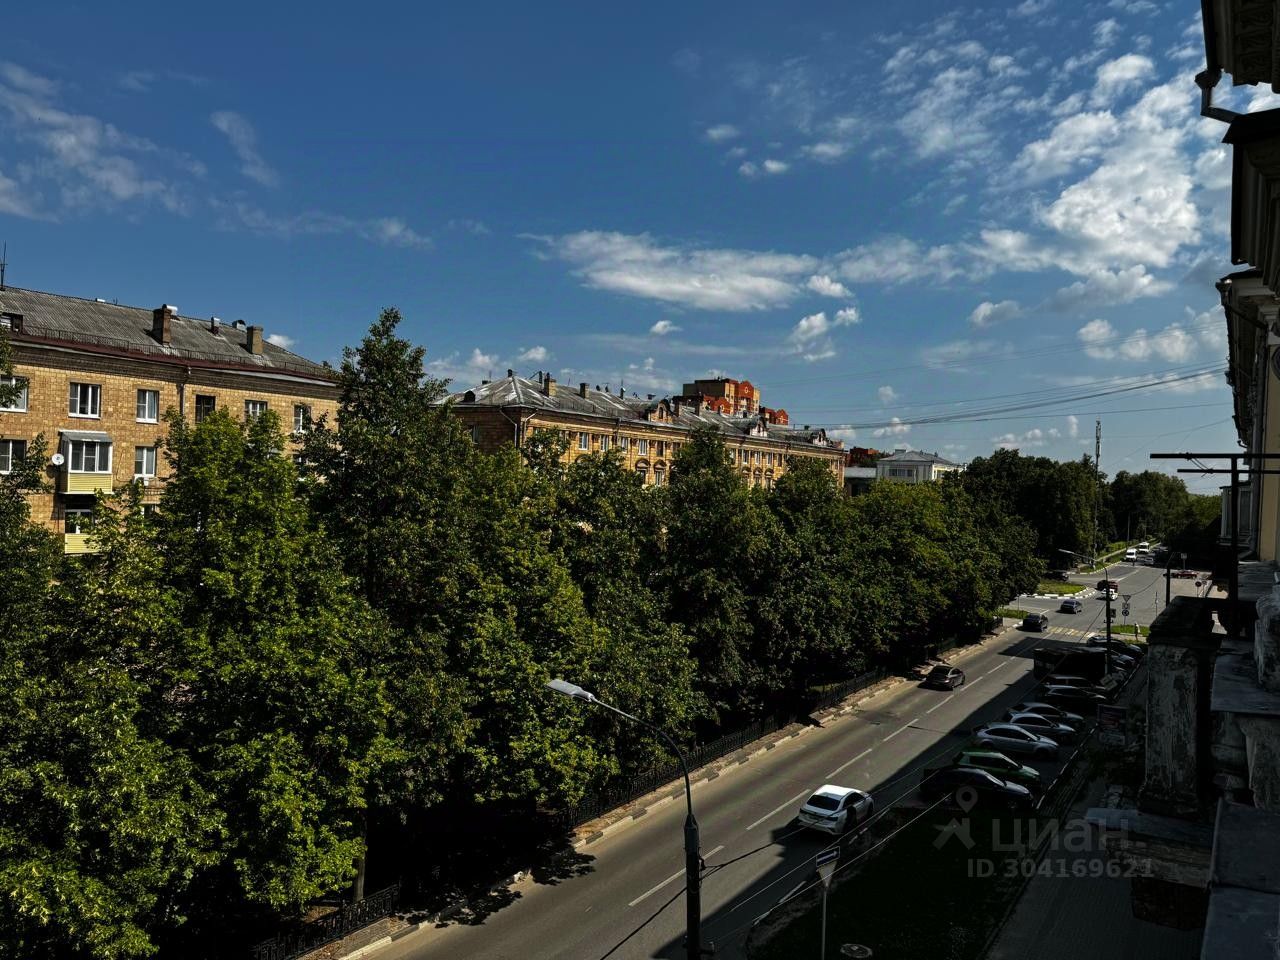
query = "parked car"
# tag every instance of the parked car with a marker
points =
(1104, 585)
(1069, 680)
(1079, 699)
(1045, 726)
(943, 677)
(988, 790)
(1184, 574)
(1045, 710)
(1000, 766)
(1007, 738)
(1035, 621)
(1135, 650)
(1071, 605)
(836, 810)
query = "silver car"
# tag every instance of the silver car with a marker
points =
(835, 810)
(1044, 726)
(1009, 738)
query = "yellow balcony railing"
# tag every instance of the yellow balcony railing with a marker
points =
(86, 482)
(77, 543)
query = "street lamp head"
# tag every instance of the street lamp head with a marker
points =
(571, 690)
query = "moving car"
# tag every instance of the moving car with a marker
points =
(944, 678)
(1007, 738)
(1045, 726)
(835, 810)
(1071, 605)
(986, 789)
(1113, 595)
(1035, 621)
(1059, 575)
(1046, 710)
(1108, 585)
(1000, 766)
(1130, 555)
(1144, 545)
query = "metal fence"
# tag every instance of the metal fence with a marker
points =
(346, 919)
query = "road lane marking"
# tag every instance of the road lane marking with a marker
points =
(654, 889)
(1003, 663)
(847, 762)
(780, 807)
(940, 703)
(898, 731)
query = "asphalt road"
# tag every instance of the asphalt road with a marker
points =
(624, 898)
(1143, 584)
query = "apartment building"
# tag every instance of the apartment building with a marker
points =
(648, 430)
(97, 378)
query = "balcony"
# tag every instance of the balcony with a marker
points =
(77, 543)
(86, 482)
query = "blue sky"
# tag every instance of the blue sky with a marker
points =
(878, 213)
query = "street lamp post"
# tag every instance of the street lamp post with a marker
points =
(1106, 572)
(692, 855)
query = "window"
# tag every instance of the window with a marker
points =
(11, 452)
(19, 403)
(755, 456)
(148, 406)
(11, 321)
(604, 444)
(144, 461)
(475, 434)
(205, 406)
(300, 461)
(662, 448)
(642, 447)
(659, 476)
(77, 521)
(624, 442)
(302, 418)
(643, 471)
(584, 441)
(253, 409)
(84, 400)
(90, 456)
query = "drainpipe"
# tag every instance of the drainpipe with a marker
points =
(1206, 80)
(518, 424)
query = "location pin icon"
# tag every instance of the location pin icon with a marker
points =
(966, 797)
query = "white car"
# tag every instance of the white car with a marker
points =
(1008, 738)
(836, 810)
(1131, 555)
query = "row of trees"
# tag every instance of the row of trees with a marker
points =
(277, 677)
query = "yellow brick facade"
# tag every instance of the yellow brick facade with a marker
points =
(49, 373)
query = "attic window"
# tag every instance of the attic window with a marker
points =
(11, 321)
(469, 397)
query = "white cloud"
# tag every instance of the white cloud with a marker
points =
(244, 141)
(824, 286)
(748, 169)
(476, 228)
(1108, 287)
(1172, 344)
(847, 317)
(897, 259)
(537, 354)
(1012, 441)
(896, 428)
(280, 340)
(387, 231)
(705, 279)
(843, 432)
(1072, 141)
(887, 395)
(776, 166)
(826, 151)
(1116, 76)
(987, 314)
(1105, 32)
(1032, 8)
(721, 132)
(662, 328)
(23, 79)
(956, 353)
(951, 116)
(810, 328)
(1004, 65)
(1073, 425)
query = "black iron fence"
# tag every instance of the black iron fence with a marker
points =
(346, 919)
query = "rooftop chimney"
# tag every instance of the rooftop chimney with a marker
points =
(510, 372)
(238, 324)
(162, 322)
(214, 323)
(549, 385)
(582, 389)
(253, 340)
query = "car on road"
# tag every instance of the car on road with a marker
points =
(1135, 650)
(1144, 545)
(836, 810)
(1130, 555)
(1104, 585)
(1078, 699)
(1007, 738)
(1071, 605)
(1046, 710)
(1112, 595)
(1184, 574)
(1045, 726)
(943, 677)
(970, 786)
(1000, 766)
(1035, 621)
(1058, 575)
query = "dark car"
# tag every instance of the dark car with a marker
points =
(1105, 585)
(1000, 766)
(986, 788)
(1059, 575)
(943, 677)
(1071, 605)
(1069, 680)
(1045, 710)
(1135, 650)
(1077, 699)
(1183, 574)
(1035, 621)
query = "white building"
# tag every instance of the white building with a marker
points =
(913, 466)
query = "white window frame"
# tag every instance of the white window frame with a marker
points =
(24, 398)
(145, 473)
(604, 444)
(98, 445)
(76, 396)
(147, 412)
(68, 522)
(659, 476)
(7, 458)
(642, 447)
(624, 443)
(584, 440)
(301, 424)
(643, 470)
(250, 415)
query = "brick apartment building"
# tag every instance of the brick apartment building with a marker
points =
(648, 430)
(97, 379)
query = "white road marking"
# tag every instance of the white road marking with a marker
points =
(1003, 663)
(655, 889)
(898, 731)
(792, 892)
(847, 762)
(939, 704)
(780, 807)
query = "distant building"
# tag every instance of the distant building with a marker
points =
(914, 466)
(862, 456)
(858, 479)
(648, 431)
(96, 380)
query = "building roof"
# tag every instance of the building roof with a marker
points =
(115, 329)
(1240, 38)
(860, 473)
(917, 456)
(516, 391)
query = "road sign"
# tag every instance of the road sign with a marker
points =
(1124, 612)
(1111, 725)
(826, 862)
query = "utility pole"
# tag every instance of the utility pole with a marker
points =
(1097, 483)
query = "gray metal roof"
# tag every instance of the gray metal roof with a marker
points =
(917, 456)
(520, 391)
(115, 328)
